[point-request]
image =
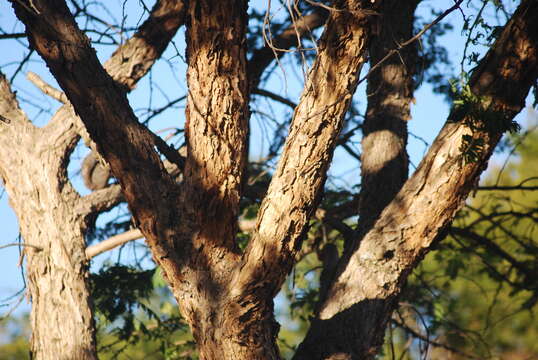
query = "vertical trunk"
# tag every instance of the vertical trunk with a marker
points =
(216, 132)
(31, 162)
(61, 317)
(227, 302)
(297, 183)
(384, 161)
(33, 166)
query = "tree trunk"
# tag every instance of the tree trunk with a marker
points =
(234, 297)
(52, 216)
(31, 166)
(352, 320)
(384, 160)
(226, 297)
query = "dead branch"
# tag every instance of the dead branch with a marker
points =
(47, 89)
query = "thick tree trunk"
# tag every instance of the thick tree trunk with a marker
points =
(235, 297)
(297, 183)
(216, 131)
(32, 168)
(61, 317)
(352, 321)
(229, 302)
(51, 214)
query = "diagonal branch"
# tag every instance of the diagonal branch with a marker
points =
(494, 248)
(121, 139)
(296, 185)
(13, 123)
(9, 106)
(130, 62)
(365, 292)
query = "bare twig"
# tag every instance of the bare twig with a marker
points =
(135, 234)
(411, 40)
(21, 244)
(430, 341)
(275, 97)
(112, 242)
(12, 36)
(47, 88)
(512, 187)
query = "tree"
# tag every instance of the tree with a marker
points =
(226, 292)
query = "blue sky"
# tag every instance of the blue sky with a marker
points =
(429, 114)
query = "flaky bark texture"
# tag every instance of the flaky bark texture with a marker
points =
(298, 181)
(216, 132)
(240, 314)
(33, 168)
(352, 321)
(384, 161)
(52, 216)
(226, 296)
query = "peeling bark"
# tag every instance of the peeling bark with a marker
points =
(297, 183)
(227, 297)
(352, 320)
(216, 132)
(51, 214)
(153, 197)
(34, 175)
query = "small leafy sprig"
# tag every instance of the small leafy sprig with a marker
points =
(478, 114)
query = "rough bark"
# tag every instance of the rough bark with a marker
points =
(131, 61)
(153, 197)
(298, 181)
(352, 321)
(103, 107)
(51, 214)
(384, 160)
(216, 131)
(228, 299)
(34, 175)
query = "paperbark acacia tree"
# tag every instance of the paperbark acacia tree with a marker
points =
(226, 294)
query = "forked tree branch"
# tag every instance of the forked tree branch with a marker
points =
(296, 184)
(366, 289)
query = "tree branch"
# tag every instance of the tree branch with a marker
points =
(47, 89)
(9, 106)
(364, 293)
(130, 62)
(519, 186)
(392, 52)
(99, 201)
(121, 139)
(261, 58)
(494, 248)
(296, 185)
(112, 242)
(13, 122)
(417, 335)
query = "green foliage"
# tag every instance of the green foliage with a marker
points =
(14, 335)
(480, 117)
(116, 290)
(478, 292)
(125, 298)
